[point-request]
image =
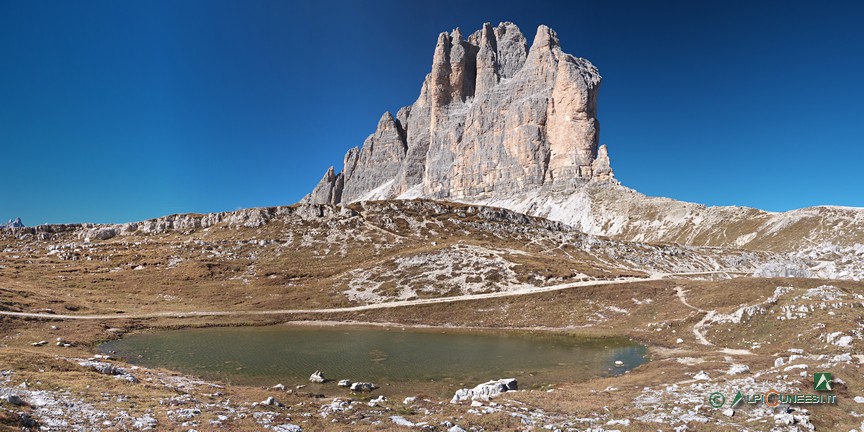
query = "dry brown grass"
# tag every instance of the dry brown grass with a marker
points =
(229, 272)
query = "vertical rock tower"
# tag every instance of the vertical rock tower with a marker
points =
(494, 117)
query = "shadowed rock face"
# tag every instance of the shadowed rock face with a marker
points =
(494, 117)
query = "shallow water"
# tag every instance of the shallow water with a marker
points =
(445, 360)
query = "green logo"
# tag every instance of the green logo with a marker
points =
(738, 398)
(716, 399)
(822, 381)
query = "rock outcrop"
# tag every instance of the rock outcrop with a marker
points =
(244, 218)
(494, 117)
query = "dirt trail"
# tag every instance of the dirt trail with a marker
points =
(394, 304)
(697, 328)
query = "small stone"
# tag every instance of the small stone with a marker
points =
(344, 383)
(679, 340)
(624, 422)
(376, 401)
(778, 362)
(736, 369)
(14, 399)
(619, 363)
(129, 378)
(784, 419)
(859, 399)
(702, 376)
(26, 420)
(728, 412)
(280, 387)
(272, 401)
(401, 421)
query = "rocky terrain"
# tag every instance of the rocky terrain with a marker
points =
(337, 256)
(717, 319)
(619, 212)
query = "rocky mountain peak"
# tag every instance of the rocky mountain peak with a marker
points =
(494, 117)
(13, 223)
(545, 38)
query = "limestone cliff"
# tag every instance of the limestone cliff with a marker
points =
(494, 117)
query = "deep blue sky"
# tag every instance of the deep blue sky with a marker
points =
(113, 111)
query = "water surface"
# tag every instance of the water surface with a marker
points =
(445, 360)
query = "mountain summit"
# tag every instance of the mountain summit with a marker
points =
(13, 223)
(502, 124)
(494, 117)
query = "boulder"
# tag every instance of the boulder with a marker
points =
(102, 367)
(363, 387)
(486, 390)
(317, 377)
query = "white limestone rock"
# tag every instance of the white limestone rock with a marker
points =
(363, 387)
(702, 376)
(737, 369)
(486, 390)
(317, 377)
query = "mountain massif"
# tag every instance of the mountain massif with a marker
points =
(494, 117)
(499, 123)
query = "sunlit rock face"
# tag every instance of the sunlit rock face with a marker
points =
(494, 117)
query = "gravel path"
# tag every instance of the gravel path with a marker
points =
(394, 304)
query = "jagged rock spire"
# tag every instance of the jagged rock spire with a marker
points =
(494, 117)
